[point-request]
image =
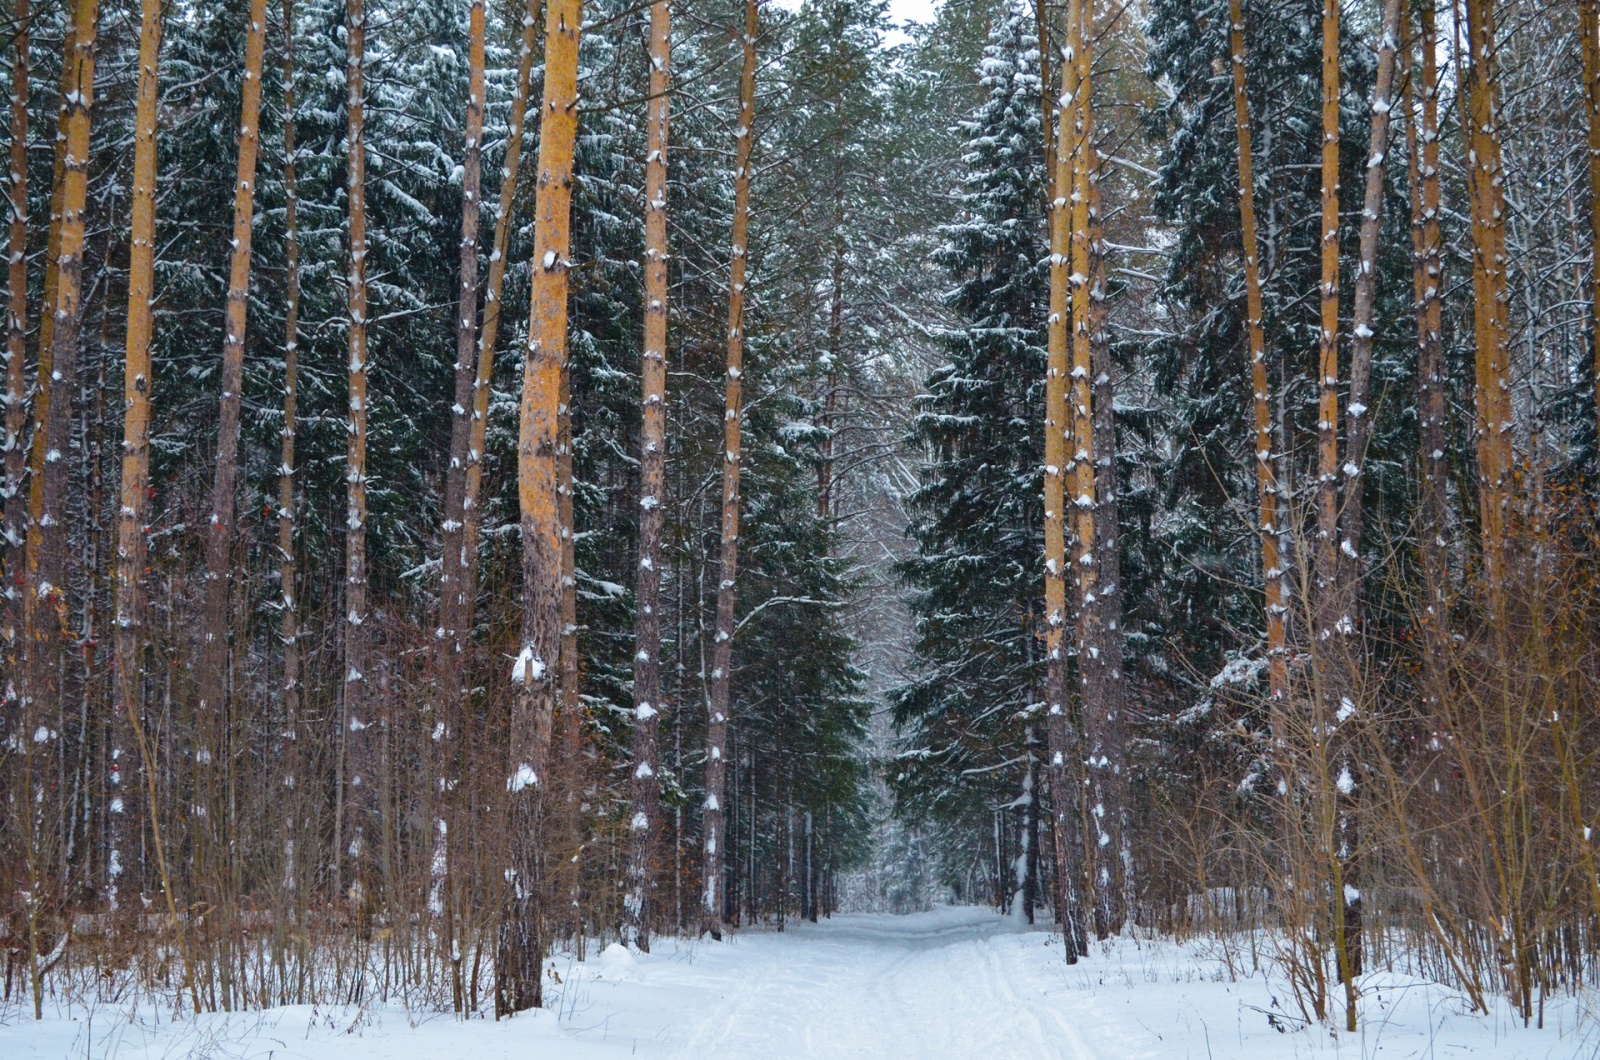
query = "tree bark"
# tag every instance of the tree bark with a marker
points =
(1101, 721)
(1589, 38)
(1357, 422)
(652, 489)
(211, 680)
(1427, 277)
(1061, 736)
(289, 614)
(519, 962)
(1486, 191)
(16, 393)
(1327, 494)
(1274, 577)
(359, 750)
(452, 583)
(721, 697)
(128, 632)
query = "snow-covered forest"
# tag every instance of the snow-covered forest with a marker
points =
(494, 487)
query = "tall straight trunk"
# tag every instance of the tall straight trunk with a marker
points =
(44, 559)
(652, 488)
(721, 697)
(1589, 37)
(289, 614)
(44, 608)
(358, 757)
(128, 629)
(451, 583)
(520, 946)
(211, 680)
(1357, 422)
(1061, 736)
(1102, 723)
(490, 332)
(1274, 577)
(452, 633)
(1327, 495)
(1427, 276)
(1357, 435)
(16, 393)
(1486, 191)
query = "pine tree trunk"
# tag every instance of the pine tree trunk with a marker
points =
(16, 393)
(721, 699)
(452, 633)
(44, 562)
(1427, 283)
(1062, 738)
(637, 904)
(1486, 191)
(288, 597)
(358, 746)
(520, 946)
(1274, 577)
(1101, 721)
(212, 749)
(1357, 422)
(490, 332)
(1327, 495)
(128, 633)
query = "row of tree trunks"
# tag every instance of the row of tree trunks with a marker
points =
(652, 493)
(520, 946)
(720, 700)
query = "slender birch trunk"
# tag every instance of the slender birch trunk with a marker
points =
(519, 960)
(16, 393)
(1274, 577)
(1486, 191)
(732, 410)
(128, 631)
(211, 739)
(358, 747)
(1061, 735)
(652, 489)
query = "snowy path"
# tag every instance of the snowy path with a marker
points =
(953, 983)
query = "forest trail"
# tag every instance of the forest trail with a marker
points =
(950, 984)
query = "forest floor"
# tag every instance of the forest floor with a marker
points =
(951, 983)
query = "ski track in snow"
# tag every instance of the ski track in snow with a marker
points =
(951, 983)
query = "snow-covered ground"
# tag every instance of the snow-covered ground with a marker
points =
(954, 983)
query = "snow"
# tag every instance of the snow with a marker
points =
(951, 983)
